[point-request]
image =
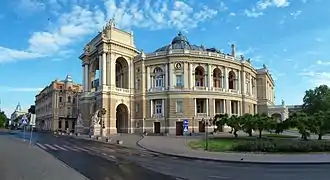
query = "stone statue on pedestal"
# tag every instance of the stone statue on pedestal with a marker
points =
(95, 118)
(79, 120)
(283, 103)
(95, 127)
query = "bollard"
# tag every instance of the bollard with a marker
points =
(120, 142)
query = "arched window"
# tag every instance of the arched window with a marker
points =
(217, 78)
(199, 76)
(159, 77)
(69, 99)
(231, 80)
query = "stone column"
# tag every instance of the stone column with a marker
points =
(163, 107)
(132, 80)
(170, 74)
(166, 76)
(195, 101)
(209, 76)
(151, 108)
(186, 75)
(104, 68)
(100, 70)
(238, 108)
(112, 70)
(86, 77)
(225, 106)
(243, 90)
(238, 84)
(214, 107)
(148, 78)
(250, 85)
(225, 78)
(191, 76)
(207, 107)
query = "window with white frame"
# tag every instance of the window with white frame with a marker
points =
(159, 78)
(158, 106)
(179, 80)
(159, 81)
(179, 106)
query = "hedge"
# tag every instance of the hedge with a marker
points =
(282, 146)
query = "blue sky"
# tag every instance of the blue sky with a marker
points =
(42, 39)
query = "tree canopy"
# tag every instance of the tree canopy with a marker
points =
(316, 100)
(3, 118)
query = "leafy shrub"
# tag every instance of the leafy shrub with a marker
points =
(263, 145)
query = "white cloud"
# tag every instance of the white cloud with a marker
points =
(317, 78)
(319, 62)
(7, 55)
(19, 89)
(319, 39)
(73, 26)
(30, 6)
(295, 14)
(232, 14)
(262, 5)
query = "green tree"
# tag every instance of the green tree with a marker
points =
(3, 118)
(317, 99)
(234, 123)
(248, 124)
(320, 123)
(302, 122)
(220, 120)
(263, 122)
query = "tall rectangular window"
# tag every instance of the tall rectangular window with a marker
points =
(179, 106)
(158, 106)
(179, 80)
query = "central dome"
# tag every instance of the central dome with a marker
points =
(179, 39)
(180, 42)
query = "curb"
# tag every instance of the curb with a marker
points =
(229, 161)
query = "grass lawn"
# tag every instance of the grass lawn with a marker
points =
(225, 143)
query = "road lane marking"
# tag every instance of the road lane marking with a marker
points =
(219, 177)
(71, 148)
(51, 147)
(43, 147)
(60, 147)
(82, 149)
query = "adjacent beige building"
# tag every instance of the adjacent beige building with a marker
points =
(156, 91)
(56, 105)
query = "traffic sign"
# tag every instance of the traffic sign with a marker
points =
(24, 120)
(185, 125)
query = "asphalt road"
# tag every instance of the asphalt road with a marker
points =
(100, 161)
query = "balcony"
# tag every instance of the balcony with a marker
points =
(200, 88)
(218, 89)
(122, 90)
(157, 89)
(201, 115)
(157, 116)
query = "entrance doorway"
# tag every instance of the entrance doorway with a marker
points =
(157, 127)
(201, 126)
(122, 118)
(179, 128)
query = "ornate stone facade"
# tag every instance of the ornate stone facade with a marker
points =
(57, 105)
(155, 92)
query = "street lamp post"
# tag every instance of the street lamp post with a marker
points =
(206, 124)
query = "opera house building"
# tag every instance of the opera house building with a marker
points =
(156, 92)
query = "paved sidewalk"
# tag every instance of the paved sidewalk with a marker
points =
(21, 161)
(176, 146)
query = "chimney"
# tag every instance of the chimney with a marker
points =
(233, 50)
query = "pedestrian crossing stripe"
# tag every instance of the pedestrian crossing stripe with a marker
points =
(56, 147)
